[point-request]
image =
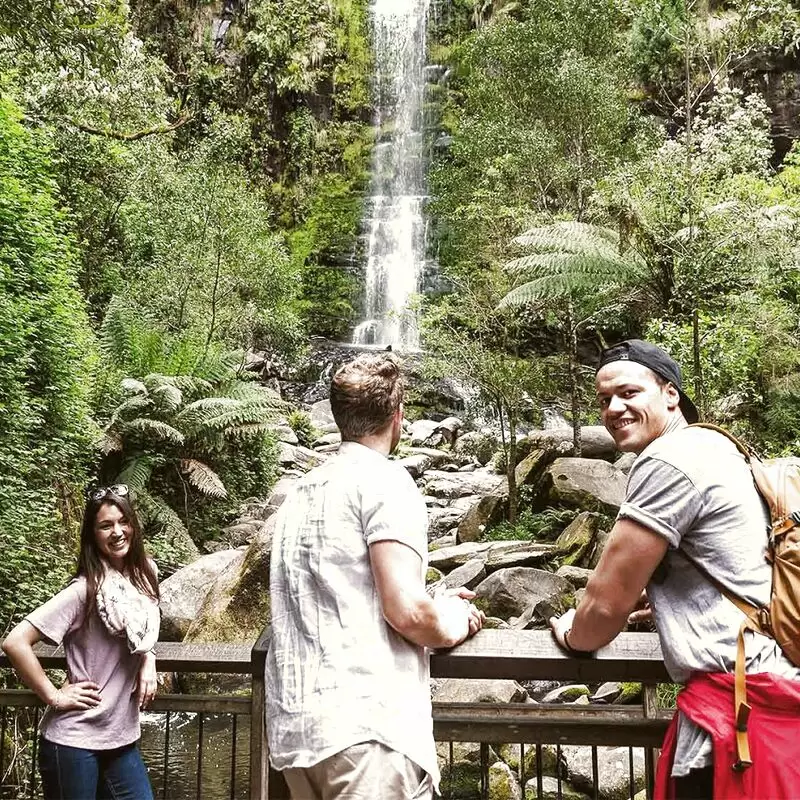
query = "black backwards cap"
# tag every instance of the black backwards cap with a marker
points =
(658, 361)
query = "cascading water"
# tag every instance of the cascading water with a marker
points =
(396, 249)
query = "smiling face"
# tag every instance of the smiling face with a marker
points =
(112, 534)
(635, 405)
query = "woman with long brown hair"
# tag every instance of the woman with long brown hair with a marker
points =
(107, 618)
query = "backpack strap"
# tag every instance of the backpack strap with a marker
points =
(755, 620)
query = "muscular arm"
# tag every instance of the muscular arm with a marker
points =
(442, 622)
(631, 555)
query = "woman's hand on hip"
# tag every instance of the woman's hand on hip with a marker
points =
(78, 696)
(148, 681)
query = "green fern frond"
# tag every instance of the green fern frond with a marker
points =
(110, 443)
(203, 478)
(569, 237)
(164, 391)
(136, 473)
(250, 429)
(582, 267)
(132, 386)
(155, 428)
(132, 406)
(157, 517)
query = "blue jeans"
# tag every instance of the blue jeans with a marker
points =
(72, 773)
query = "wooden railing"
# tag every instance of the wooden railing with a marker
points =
(519, 655)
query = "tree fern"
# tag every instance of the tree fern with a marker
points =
(136, 473)
(153, 428)
(203, 478)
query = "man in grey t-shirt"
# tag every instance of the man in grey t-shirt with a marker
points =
(690, 499)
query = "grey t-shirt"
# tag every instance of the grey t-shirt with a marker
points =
(92, 654)
(695, 489)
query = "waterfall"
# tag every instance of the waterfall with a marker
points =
(395, 222)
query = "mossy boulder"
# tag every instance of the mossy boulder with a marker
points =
(586, 483)
(577, 539)
(503, 783)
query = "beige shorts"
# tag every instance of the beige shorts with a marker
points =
(366, 771)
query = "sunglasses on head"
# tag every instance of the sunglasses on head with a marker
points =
(118, 489)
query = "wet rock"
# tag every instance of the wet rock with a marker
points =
(284, 433)
(600, 541)
(327, 439)
(510, 592)
(291, 456)
(587, 484)
(625, 462)
(322, 417)
(449, 429)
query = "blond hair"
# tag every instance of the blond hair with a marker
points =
(365, 393)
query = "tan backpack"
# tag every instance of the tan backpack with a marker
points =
(778, 482)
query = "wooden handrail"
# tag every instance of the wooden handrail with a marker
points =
(524, 655)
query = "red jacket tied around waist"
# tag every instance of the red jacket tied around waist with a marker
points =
(773, 731)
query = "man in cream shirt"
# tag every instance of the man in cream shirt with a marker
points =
(348, 698)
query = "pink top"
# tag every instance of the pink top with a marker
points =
(93, 654)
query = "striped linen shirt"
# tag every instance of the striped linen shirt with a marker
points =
(337, 674)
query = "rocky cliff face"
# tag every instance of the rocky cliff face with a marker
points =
(776, 76)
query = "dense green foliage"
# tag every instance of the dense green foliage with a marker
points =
(46, 349)
(179, 184)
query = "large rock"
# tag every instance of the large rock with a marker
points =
(510, 592)
(422, 430)
(586, 483)
(479, 690)
(577, 539)
(451, 485)
(613, 770)
(577, 576)
(183, 593)
(469, 575)
(322, 417)
(291, 456)
(551, 790)
(503, 783)
(600, 541)
(482, 514)
(449, 429)
(478, 446)
(237, 606)
(448, 558)
(596, 441)
(441, 520)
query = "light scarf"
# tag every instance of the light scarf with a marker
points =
(128, 612)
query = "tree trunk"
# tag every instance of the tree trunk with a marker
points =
(511, 469)
(574, 383)
(698, 366)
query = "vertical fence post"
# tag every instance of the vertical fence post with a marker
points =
(265, 783)
(650, 709)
